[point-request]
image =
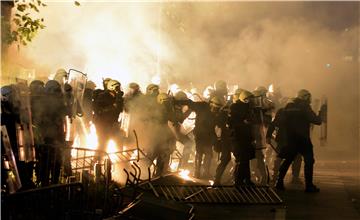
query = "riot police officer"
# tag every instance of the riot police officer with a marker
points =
(107, 107)
(240, 123)
(298, 118)
(223, 143)
(205, 136)
(163, 140)
(54, 135)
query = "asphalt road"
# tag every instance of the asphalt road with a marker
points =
(339, 198)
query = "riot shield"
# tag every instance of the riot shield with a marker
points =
(124, 119)
(77, 81)
(24, 132)
(73, 99)
(323, 126)
(13, 179)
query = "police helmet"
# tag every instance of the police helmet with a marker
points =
(180, 96)
(245, 96)
(152, 89)
(260, 91)
(36, 86)
(61, 76)
(304, 94)
(105, 82)
(90, 85)
(113, 85)
(6, 92)
(53, 87)
(217, 102)
(162, 98)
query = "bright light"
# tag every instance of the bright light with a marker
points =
(91, 138)
(185, 174)
(174, 165)
(271, 88)
(156, 80)
(211, 182)
(111, 149)
(189, 123)
(174, 88)
(207, 92)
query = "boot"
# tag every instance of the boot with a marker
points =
(312, 189)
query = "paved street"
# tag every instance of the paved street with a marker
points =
(339, 198)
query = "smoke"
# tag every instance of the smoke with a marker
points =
(295, 45)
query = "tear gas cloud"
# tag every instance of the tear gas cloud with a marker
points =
(294, 45)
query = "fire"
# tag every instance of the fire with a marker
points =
(91, 138)
(111, 149)
(90, 141)
(185, 174)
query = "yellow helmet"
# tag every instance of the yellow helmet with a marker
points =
(245, 96)
(152, 89)
(260, 91)
(105, 82)
(221, 86)
(61, 76)
(217, 102)
(236, 94)
(113, 85)
(162, 98)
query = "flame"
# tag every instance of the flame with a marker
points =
(271, 88)
(111, 149)
(91, 138)
(185, 174)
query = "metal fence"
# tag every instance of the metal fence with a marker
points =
(220, 194)
(54, 202)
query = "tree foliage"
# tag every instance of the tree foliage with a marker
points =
(24, 24)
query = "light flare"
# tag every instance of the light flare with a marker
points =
(271, 88)
(185, 174)
(111, 149)
(207, 92)
(156, 80)
(174, 88)
(174, 165)
(91, 138)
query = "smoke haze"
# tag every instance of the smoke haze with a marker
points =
(294, 45)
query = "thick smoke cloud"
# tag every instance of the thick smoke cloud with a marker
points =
(294, 45)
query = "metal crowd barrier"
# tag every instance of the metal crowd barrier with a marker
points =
(220, 194)
(63, 201)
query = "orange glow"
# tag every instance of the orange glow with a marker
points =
(91, 138)
(185, 174)
(111, 149)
